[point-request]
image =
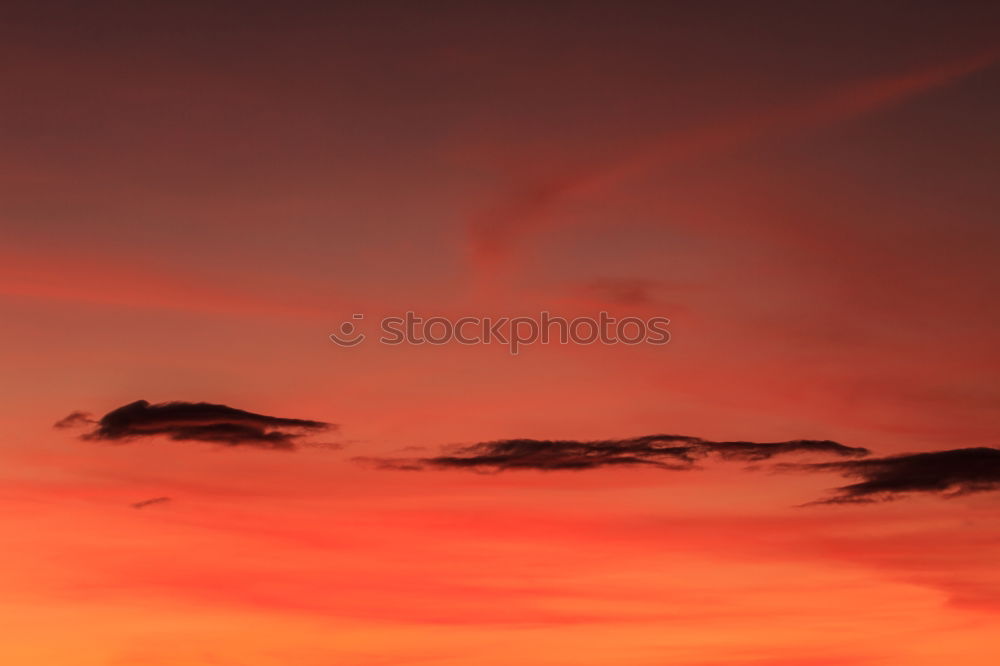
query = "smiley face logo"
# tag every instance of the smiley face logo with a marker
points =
(348, 336)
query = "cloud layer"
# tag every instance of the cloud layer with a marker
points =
(198, 421)
(946, 473)
(673, 452)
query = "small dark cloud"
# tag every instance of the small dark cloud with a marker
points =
(149, 502)
(197, 421)
(948, 473)
(672, 452)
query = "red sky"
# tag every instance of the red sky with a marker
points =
(197, 194)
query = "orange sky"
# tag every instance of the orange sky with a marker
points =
(197, 195)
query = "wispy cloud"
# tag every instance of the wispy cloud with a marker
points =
(74, 419)
(495, 231)
(624, 291)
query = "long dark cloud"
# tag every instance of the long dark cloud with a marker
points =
(672, 452)
(949, 473)
(946, 473)
(200, 421)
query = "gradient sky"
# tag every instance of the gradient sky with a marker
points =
(197, 194)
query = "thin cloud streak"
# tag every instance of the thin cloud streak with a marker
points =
(109, 282)
(496, 232)
(150, 502)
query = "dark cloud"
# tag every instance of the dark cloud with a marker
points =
(153, 500)
(949, 473)
(673, 452)
(200, 421)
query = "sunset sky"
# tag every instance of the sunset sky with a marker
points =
(197, 194)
